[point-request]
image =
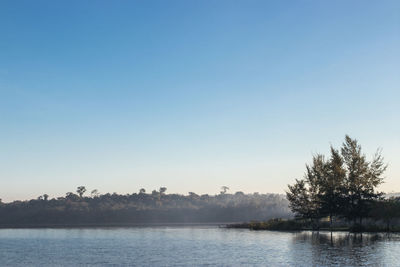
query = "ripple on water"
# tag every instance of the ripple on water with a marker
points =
(182, 246)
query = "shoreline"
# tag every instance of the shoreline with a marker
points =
(294, 226)
(106, 225)
(249, 226)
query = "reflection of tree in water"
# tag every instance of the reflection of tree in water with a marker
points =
(339, 239)
(326, 249)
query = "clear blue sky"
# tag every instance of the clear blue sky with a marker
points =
(191, 95)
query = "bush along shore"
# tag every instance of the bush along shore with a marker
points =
(301, 225)
(338, 192)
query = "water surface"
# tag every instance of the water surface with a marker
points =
(195, 245)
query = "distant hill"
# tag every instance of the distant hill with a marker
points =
(115, 209)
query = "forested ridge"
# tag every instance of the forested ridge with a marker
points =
(142, 208)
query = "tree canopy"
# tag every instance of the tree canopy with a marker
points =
(142, 208)
(343, 185)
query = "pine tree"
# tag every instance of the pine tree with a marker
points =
(345, 185)
(361, 179)
(332, 186)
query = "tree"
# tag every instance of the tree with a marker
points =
(71, 196)
(332, 186)
(94, 193)
(299, 200)
(345, 185)
(45, 197)
(142, 191)
(386, 210)
(305, 195)
(361, 180)
(315, 174)
(81, 190)
(193, 195)
(224, 189)
(163, 190)
(143, 208)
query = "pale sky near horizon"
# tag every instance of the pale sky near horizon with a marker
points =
(191, 95)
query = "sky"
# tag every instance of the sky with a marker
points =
(192, 95)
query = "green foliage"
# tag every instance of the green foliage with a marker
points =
(299, 199)
(279, 225)
(387, 210)
(344, 185)
(273, 225)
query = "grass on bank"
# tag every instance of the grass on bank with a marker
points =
(304, 225)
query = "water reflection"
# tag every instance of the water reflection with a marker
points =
(187, 246)
(339, 238)
(341, 248)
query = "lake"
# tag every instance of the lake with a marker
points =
(194, 245)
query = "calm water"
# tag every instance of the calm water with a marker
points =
(182, 246)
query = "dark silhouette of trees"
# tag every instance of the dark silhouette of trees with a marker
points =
(306, 195)
(343, 186)
(315, 174)
(299, 199)
(163, 190)
(193, 195)
(361, 180)
(224, 189)
(116, 209)
(81, 190)
(387, 210)
(332, 186)
(94, 193)
(154, 193)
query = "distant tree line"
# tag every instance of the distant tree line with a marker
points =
(83, 208)
(343, 186)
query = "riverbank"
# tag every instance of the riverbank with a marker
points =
(301, 225)
(107, 225)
